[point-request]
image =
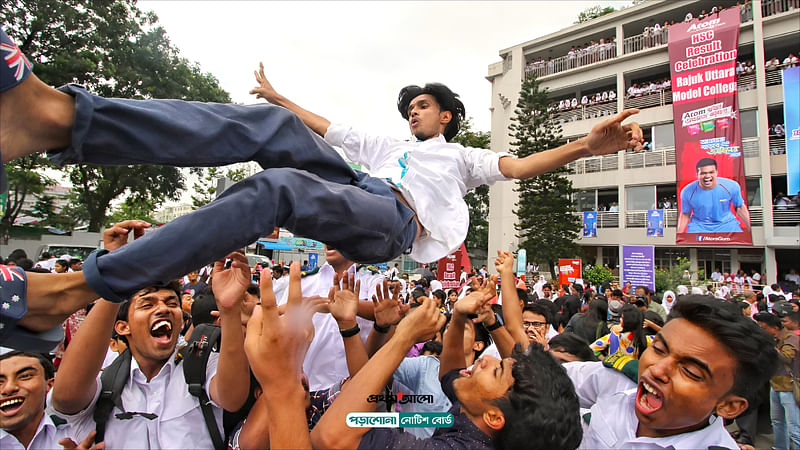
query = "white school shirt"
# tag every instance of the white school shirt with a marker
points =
(179, 424)
(46, 437)
(609, 396)
(326, 362)
(433, 176)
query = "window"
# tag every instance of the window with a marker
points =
(667, 257)
(663, 136)
(587, 200)
(749, 123)
(610, 257)
(638, 198)
(753, 191)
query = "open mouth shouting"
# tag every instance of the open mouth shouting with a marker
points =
(161, 330)
(11, 405)
(648, 398)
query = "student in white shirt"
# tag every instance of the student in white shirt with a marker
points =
(703, 367)
(151, 325)
(25, 380)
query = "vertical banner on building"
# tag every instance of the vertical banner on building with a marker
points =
(569, 270)
(791, 117)
(590, 224)
(712, 200)
(522, 261)
(449, 268)
(313, 260)
(638, 265)
(655, 223)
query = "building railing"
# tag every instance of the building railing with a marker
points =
(605, 219)
(587, 112)
(777, 145)
(579, 58)
(652, 158)
(644, 41)
(660, 98)
(785, 216)
(750, 147)
(772, 7)
(593, 164)
(638, 218)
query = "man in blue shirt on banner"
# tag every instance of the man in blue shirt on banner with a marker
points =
(706, 203)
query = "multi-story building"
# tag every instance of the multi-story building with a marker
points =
(630, 55)
(172, 212)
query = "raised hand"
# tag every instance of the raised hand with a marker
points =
(229, 284)
(117, 236)
(504, 262)
(422, 323)
(86, 444)
(388, 310)
(264, 89)
(474, 301)
(343, 302)
(610, 136)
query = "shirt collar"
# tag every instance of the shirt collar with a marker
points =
(46, 426)
(137, 374)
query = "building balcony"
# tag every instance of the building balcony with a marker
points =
(587, 112)
(781, 216)
(773, 7)
(777, 145)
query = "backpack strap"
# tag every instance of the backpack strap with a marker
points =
(205, 338)
(112, 382)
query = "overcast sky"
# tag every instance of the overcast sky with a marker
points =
(348, 60)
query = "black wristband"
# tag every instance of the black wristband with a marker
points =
(493, 326)
(381, 329)
(350, 332)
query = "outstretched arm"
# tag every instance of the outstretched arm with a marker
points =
(607, 137)
(265, 90)
(512, 313)
(743, 212)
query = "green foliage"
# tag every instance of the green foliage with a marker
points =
(115, 50)
(594, 12)
(546, 222)
(205, 190)
(669, 279)
(598, 275)
(138, 208)
(477, 199)
(24, 178)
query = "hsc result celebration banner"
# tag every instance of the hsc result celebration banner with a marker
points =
(712, 198)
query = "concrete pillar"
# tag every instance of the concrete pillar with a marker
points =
(763, 125)
(770, 274)
(693, 260)
(734, 260)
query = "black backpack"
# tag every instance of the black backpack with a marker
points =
(205, 339)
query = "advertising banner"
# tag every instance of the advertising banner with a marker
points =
(712, 200)
(655, 223)
(522, 260)
(590, 224)
(569, 270)
(638, 265)
(791, 117)
(449, 268)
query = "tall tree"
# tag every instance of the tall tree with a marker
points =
(205, 189)
(477, 199)
(25, 178)
(115, 50)
(594, 12)
(546, 219)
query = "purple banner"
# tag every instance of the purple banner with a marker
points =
(638, 265)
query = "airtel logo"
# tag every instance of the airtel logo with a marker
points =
(703, 25)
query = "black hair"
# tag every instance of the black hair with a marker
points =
(751, 346)
(543, 310)
(25, 263)
(597, 312)
(253, 289)
(17, 254)
(617, 293)
(645, 289)
(440, 295)
(523, 295)
(548, 286)
(432, 346)
(452, 291)
(482, 335)
(417, 293)
(62, 262)
(705, 162)
(653, 316)
(794, 316)
(277, 268)
(47, 365)
(202, 307)
(573, 344)
(447, 100)
(578, 288)
(768, 319)
(633, 321)
(541, 408)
